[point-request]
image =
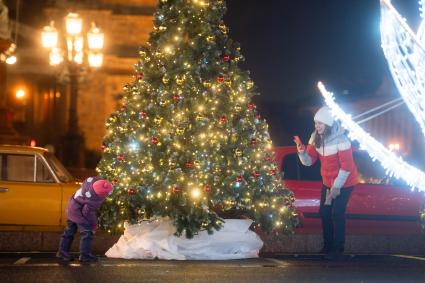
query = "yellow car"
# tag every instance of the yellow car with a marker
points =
(34, 189)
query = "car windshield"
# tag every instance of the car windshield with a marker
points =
(60, 171)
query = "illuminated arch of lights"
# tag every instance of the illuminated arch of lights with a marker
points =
(405, 53)
(393, 164)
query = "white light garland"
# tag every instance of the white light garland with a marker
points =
(405, 53)
(393, 164)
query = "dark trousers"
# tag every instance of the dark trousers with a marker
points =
(86, 236)
(333, 219)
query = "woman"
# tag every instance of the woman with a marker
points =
(339, 175)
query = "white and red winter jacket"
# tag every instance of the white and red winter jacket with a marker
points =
(336, 157)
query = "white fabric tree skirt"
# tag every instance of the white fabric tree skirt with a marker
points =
(156, 239)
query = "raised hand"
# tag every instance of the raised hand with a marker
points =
(299, 143)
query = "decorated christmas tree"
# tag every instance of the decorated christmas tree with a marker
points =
(187, 142)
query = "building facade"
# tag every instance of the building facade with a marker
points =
(44, 114)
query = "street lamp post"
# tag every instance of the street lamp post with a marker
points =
(76, 56)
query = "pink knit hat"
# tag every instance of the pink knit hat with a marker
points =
(102, 188)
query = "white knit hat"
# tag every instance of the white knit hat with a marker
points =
(324, 115)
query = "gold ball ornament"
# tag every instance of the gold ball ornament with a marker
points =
(223, 28)
(234, 137)
(249, 84)
(165, 79)
(157, 120)
(179, 81)
(180, 131)
(207, 84)
(238, 152)
(197, 163)
(210, 38)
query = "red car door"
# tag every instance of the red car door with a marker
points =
(380, 204)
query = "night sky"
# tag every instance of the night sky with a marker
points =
(291, 44)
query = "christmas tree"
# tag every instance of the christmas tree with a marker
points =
(187, 142)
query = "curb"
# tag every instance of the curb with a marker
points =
(42, 241)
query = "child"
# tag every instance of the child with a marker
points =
(81, 214)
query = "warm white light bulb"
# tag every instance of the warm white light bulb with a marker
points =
(196, 193)
(55, 56)
(74, 24)
(95, 38)
(49, 36)
(11, 60)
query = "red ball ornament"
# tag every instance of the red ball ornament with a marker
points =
(226, 57)
(123, 107)
(176, 98)
(223, 119)
(131, 191)
(253, 142)
(220, 78)
(256, 174)
(115, 181)
(143, 115)
(207, 188)
(104, 146)
(258, 116)
(120, 157)
(154, 140)
(272, 172)
(239, 179)
(140, 76)
(189, 164)
(176, 189)
(251, 106)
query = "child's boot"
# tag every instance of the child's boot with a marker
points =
(88, 258)
(64, 255)
(65, 246)
(86, 237)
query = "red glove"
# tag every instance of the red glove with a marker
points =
(299, 143)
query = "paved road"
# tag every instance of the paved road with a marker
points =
(43, 267)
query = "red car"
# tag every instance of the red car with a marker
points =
(378, 204)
